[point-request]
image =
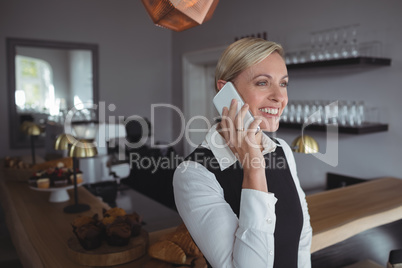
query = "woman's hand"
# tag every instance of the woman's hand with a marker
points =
(245, 144)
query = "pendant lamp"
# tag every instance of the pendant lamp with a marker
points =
(179, 15)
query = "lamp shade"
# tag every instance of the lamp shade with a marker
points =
(31, 129)
(62, 141)
(82, 149)
(305, 144)
(179, 15)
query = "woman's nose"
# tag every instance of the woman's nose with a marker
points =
(278, 94)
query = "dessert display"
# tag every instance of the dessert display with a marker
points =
(116, 228)
(58, 177)
(176, 248)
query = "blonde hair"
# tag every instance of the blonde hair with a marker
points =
(242, 54)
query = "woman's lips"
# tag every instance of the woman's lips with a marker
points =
(269, 112)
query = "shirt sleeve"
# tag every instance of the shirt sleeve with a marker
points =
(224, 239)
(304, 256)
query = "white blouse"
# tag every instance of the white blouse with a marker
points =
(224, 239)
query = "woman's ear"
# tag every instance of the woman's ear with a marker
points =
(220, 84)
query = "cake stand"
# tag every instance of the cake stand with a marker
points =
(57, 194)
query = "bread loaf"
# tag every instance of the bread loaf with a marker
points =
(183, 239)
(167, 251)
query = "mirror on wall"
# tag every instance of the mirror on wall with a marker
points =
(45, 80)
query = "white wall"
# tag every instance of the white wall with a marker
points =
(290, 23)
(134, 55)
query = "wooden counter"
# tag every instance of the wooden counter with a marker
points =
(40, 229)
(338, 214)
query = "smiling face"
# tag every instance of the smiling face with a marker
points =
(264, 87)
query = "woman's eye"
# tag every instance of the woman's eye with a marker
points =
(284, 84)
(262, 83)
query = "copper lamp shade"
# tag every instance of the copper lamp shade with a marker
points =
(305, 144)
(179, 15)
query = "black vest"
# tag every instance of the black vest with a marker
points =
(289, 215)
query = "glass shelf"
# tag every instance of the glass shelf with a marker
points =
(357, 62)
(365, 128)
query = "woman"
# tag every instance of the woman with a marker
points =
(242, 203)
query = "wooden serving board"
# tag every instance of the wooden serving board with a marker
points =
(107, 255)
(191, 262)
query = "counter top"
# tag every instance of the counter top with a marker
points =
(338, 214)
(40, 229)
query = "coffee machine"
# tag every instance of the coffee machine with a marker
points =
(102, 173)
(106, 166)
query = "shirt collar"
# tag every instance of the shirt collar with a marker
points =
(217, 144)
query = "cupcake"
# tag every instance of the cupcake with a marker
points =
(134, 220)
(118, 233)
(87, 231)
(114, 212)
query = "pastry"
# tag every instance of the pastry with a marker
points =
(135, 222)
(87, 231)
(58, 178)
(107, 221)
(183, 239)
(82, 220)
(167, 251)
(118, 233)
(43, 183)
(115, 212)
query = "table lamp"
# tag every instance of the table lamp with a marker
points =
(82, 147)
(62, 141)
(32, 130)
(305, 144)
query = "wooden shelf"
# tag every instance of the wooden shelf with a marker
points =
(366, 128)
(352, 62)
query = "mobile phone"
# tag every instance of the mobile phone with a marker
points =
(224, 98)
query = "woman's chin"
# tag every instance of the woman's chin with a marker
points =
(270, 126)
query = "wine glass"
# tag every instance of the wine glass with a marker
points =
(354, 50)
(320, 52)
(327, 45)
(335, 47)
(313, 56)
(344, 49)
